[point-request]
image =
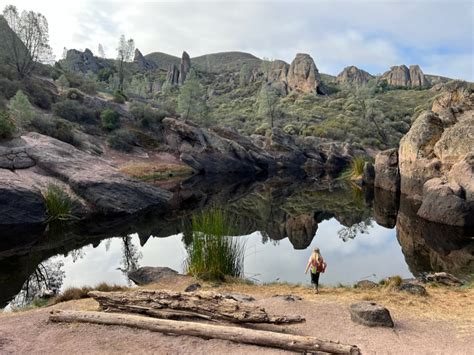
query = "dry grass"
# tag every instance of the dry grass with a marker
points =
(76, 293)
(154, 171)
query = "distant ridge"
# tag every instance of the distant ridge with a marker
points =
(163, 60)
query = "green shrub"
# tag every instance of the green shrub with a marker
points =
(58, 204)
(21, 108)
(146, 115)
(110, 119)
(56, 128)
(74, 111)
(104, 74)
(7, 127)
(213, 253)
(75, 94)
(119, 97)
(122, 139)
(356, 168)
(8, 88)
(62, 81)
(38, 93)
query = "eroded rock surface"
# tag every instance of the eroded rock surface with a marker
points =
(403, 76)
(148, 274)
(303, 76)
(353, 76)
(370, 314)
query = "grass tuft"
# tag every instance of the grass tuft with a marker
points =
(77, 293)
(355, 170)
(58, 204)
(213, 253)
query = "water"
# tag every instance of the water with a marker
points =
(361, 235)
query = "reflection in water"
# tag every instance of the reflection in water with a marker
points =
(294, 216)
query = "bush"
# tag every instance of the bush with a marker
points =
(74, 94)
(356, 168)
(7, 127)
(38, 93)
(8, 88)
(58, 204)
(119, 97)
(104, 74)
(74, 111)
(21, 108)
(146, 115)
(110, 119)
(56, 128)
(214, 254)
(122, 139)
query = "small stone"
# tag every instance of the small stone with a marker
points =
(442, 278)
(413, 288)
(365, 285)
(239, 297)
(192, 288)
(370, 314)
(288, 298)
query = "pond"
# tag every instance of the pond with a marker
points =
(362, 234)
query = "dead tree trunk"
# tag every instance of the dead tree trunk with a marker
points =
(241, 335)
(175, 305)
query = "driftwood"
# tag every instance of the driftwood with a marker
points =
(242, 335)
(174, 305)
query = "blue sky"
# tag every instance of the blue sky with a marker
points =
(374, 35)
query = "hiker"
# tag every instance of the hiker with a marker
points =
(317, 265)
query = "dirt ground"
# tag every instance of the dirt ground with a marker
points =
(442, 323)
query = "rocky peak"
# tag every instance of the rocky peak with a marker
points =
(184, 67)
(172, 76)
(82, 61)
(277, 71)
(142, 62)
(404, 77)
(303, 76)
(353, 76)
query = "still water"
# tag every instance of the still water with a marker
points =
(362, 234)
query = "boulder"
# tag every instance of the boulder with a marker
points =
(370, 314)
(277, 71)
(20, 202)
(192, 287)
(105, 189)
(417, 78)
(413, 288)
(443, 278)
(303, 76)
(83, 61)
(185, 67)
(365, 285)
(385, 207)
(353, 76)
(288, 298)
(301, 230)
(148, 274)
(387, 176)
(14, 158)
(239, 297)
(446, 203)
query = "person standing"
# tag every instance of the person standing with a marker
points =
(317, 266)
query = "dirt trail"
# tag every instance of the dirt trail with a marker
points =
(327, 318)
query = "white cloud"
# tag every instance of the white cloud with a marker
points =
(371, 34)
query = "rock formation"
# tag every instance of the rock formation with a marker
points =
(142, 62)
(303, 76)
(83, 61)
(387, 176)
(436, 161)
(223, 150)
(94, 184)
(185, 67)
(404, 77)
(172, 76)
(353, 76)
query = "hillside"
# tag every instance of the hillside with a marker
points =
(225, 61)
(163, 60)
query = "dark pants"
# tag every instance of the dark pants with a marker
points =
(315, 279)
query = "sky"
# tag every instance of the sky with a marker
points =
(373, 35)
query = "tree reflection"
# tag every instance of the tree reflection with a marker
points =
(351, 232)
(44, 282)
(130, 255)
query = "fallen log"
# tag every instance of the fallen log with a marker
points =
(176, 305)
(236, 334)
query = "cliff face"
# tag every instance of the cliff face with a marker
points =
(436, 160)
(303, 76)
(402, 76)
(84, 61)
(353, 76)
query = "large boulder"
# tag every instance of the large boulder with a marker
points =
(83, 61)
(301, 230)
(353, 76)
(385, 207)
(387, 176)
(20, 202)
(436, 160)
(149, 274)
(417, 78)
(303, 76)
(370, 314)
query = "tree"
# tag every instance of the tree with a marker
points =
(27, 43)
(268, 103)
(101, 51)
(245, 74)
(191, 98)
(64, 56)
(21, 108)
(124, 54)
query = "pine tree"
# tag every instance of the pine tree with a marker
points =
(191, 98)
